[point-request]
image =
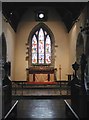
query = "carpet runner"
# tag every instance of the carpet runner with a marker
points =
(42, 83)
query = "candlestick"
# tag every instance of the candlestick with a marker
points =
(59, 72)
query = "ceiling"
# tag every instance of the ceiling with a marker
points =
(69, 11)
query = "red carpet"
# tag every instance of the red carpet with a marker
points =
(48, 83)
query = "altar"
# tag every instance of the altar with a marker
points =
(41, 74)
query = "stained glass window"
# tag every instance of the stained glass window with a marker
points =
(41, 47)
(34, 50)
(48, 50)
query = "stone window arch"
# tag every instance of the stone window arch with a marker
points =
(41, 46)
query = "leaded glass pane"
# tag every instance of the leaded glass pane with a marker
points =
(48, 49)
(48, 58)
(45, 33)
(41, 58)
(34, 45)
(41, 34)
(48, 45)
(34, 40)
(34, 58)
(41, 46)
(36, 32)
(34, 50)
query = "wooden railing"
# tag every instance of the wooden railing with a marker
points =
(12, 110)
(70, 109)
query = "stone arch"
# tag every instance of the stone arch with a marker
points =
(79, 51)
(87, 55)
(79, 47)
(44, 26)
(4, 53)
(87, 47)
(4, 48)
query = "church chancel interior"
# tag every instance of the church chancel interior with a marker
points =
(45, 60)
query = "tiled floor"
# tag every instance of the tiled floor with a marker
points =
(41, 106)
(38, 105)
(41, 109)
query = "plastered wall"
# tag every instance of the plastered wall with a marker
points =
(65, 52)
(73, 37)
(61, 39)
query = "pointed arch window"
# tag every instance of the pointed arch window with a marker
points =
(41, 47)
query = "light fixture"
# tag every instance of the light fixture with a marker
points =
(41, 15)
(11, 13)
